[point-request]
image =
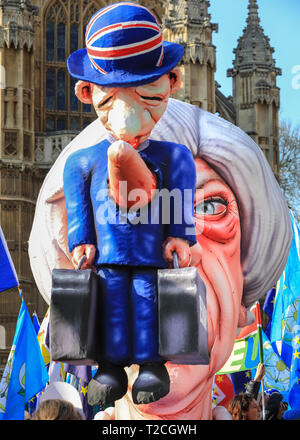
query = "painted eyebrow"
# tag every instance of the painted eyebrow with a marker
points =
(105, 101)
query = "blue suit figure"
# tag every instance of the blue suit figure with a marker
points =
(128, 243)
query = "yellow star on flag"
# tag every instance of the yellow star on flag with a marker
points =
(297, 340)
(296, 354)
(219, 378)
(84, 390)
(32, 399)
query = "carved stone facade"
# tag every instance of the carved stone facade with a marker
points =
(40, 114)
(188, 23)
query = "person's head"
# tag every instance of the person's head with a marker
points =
(56, 409)
(259, 400)
(244, 407)
(127, 72)
(65, 392)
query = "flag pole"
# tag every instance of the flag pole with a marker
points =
(263, 400)
(261, 357)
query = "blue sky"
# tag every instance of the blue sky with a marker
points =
(281, 23)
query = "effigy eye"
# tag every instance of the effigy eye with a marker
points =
(211, 206)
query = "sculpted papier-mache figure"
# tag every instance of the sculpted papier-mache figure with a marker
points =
(235, 225)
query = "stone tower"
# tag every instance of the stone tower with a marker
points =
(256, 97)
(20, 180)
(187, 22)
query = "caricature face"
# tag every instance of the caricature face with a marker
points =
(218, 235)
(130, 113)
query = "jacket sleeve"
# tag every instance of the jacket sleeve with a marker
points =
(180, 181)
(76, 179)
(253, 389)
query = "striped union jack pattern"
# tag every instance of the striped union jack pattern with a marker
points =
(121, 32)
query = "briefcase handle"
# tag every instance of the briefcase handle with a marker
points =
(81, 262)
(175, 260)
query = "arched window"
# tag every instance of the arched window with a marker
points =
(73, 37)
(61, 90)
(65, 22)
(61, 42)
(50, 83)
(50, 41)
(61, 124)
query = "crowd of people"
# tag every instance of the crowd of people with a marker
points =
(252, 405)
(61, 403)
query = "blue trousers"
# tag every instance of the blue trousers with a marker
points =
(129, 314)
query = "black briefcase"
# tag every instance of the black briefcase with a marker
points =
(74, 316)
(182, 317)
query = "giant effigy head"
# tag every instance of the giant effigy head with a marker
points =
(242, 221)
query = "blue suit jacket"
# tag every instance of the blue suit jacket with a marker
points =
(125, 237)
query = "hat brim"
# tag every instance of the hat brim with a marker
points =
(80, 67)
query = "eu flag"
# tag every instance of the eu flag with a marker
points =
(8, 276)
(25, 373)
(288, 286)
(83, 375)
(294, 389)
(240, 380)
(268, 309)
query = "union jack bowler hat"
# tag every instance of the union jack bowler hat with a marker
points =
(124, 47)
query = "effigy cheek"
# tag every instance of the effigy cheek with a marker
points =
(216, 210)
(102, 116)
(216, 213)
(221, 227)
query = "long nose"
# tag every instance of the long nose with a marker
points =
(128, 119)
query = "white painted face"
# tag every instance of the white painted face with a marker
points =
(130, 113)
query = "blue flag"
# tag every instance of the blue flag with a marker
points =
(268, 309)
(82, 375)
(8, 276)
(294, 388)
(35, 322)
(288, 287)
(25, 373)
(240, 380)
(33, 403)
(289, 323)
(277, 373)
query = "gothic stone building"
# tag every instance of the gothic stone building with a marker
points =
(40, 114)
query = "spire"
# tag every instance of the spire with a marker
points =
(254, 47)
(253, 17)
